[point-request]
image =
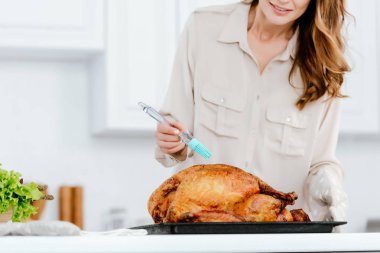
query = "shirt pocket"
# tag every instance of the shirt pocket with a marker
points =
(222, 110)
(286, 131)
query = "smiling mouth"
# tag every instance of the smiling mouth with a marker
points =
(277, 8)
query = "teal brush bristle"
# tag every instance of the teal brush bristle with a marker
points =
(198, 147)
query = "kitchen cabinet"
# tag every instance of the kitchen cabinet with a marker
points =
(54, 29)
(361, 111)
(354, 242)
(140, 44)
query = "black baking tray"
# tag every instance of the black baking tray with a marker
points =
(242, 227)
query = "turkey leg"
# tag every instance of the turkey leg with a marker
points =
(288, 198)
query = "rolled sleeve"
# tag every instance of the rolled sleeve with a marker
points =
(326, 140)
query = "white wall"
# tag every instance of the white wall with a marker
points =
(45, 134)
(360, 156)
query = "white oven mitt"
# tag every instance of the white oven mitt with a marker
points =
(59, 228)
(325, 196)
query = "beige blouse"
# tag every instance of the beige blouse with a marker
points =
(247, 119)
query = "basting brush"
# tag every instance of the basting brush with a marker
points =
(186, 138)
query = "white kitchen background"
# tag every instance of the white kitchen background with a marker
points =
(72, 71)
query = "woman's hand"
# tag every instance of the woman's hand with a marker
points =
(326, 197)
(167, 138)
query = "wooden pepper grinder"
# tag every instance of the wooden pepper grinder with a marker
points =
(71, 204)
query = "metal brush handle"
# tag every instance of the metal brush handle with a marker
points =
(185, 137)
(153, 113)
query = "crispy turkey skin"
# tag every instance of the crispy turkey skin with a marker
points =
(220, 193)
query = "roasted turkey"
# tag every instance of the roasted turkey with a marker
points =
(220, 193)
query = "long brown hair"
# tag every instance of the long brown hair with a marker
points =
(320, 50)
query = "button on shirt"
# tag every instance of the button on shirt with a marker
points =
(246, 118)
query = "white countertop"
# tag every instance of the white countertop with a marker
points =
(346, 242)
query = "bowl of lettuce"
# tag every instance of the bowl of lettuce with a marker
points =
(17, 197)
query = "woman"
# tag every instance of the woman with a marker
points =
(259, 84)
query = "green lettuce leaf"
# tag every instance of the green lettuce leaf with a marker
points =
(17, 196)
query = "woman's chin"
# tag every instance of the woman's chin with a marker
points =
(279, 21)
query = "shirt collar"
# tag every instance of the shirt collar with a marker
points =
(235, 31)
